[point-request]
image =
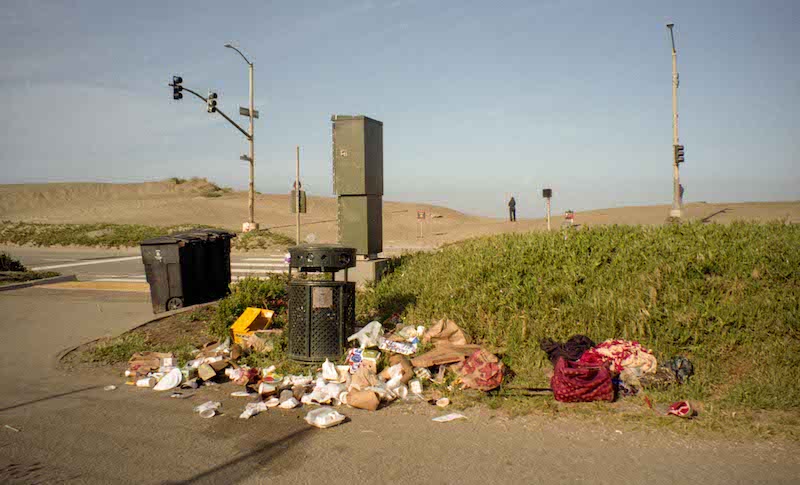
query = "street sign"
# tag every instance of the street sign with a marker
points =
(421, 215)
(244, 158)
(246, 112)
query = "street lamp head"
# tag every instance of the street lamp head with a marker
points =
(229, 46)
(670, 26)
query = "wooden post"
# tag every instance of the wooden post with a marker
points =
(297, 190)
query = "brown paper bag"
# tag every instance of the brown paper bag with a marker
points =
(445, 332)
(363, 400)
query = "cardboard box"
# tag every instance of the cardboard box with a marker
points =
(249, 322)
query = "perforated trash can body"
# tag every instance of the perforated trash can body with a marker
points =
(321, 317)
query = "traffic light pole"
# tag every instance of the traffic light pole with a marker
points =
(677, 203)
(252, 185)
(205, 100)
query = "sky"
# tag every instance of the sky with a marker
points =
(479, 100)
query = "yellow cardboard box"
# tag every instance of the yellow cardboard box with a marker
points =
(249, 322)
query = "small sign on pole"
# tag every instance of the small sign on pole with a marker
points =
(420, 220)
(246, 112)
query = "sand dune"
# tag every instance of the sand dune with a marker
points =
(170, 203)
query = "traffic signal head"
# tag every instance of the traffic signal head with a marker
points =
(176, 87)
(677, 154)
(212, 103)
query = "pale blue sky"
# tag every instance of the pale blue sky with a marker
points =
(479, 99)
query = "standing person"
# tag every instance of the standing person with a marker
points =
(512, 210)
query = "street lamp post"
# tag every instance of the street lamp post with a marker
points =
(677, 203)
(251, 223)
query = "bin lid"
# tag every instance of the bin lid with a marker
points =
(171, 239)
(211, 233)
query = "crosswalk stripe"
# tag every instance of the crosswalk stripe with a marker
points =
(122, 280)
(248, 271)
(85, 263)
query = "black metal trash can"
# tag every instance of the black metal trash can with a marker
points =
(321, 317)
(187, 269)
(322, 313)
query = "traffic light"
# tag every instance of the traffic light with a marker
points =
(212, 102)
(678, 153)
(176, 87)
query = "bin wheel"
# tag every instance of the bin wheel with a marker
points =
(174, 303)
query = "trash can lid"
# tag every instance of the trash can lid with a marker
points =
(211, 233)
(171, 239)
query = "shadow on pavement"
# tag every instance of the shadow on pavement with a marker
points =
(54, 396)
(243, 466)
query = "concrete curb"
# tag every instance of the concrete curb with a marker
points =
(43, 281)
(60, 356)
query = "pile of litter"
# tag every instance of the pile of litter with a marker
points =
(358, 382)
(584, 371)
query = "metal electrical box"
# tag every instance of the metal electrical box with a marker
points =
(357, 155)
(361, 223)
(293, 202)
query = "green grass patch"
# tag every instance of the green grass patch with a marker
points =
(250, 292)
(7, 263)
(11, 277)
(13, 271)
(101, 234)
(726, 296)
(262, 239)
(122, 348)
(122, 235)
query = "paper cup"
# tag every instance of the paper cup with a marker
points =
(207, 413)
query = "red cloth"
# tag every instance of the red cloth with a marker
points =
(577, 382)
(481, 370)
(621, 354)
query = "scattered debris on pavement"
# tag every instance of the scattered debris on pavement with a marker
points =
(387, 366)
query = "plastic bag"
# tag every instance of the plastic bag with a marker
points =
(324, 417)
(329, 372)
(289, 403)
(253, 408)
(208, 409)
(368, 336)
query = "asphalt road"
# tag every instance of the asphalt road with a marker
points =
(125, 265)
(58, 426)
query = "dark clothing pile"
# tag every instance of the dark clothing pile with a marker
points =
(571, 350)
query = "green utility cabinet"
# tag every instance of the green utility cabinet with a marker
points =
(361, 223)
(357, 155)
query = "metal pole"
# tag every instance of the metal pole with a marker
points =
(251, 204)
(676, 210)
(297, 190)
(548, 213)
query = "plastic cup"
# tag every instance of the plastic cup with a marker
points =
(208, 413)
